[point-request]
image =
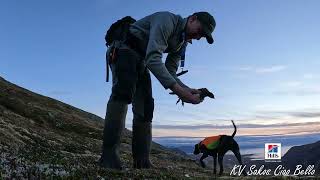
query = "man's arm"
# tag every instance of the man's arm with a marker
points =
(172, 64)
(161, 27)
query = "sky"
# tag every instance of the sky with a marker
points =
(262, 67)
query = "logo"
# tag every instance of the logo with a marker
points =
(272, 151)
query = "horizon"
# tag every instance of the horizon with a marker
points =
(262, 67)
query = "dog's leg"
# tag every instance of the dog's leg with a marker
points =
(215, 164)
(238, 156)
(204, 155)
(220, 161)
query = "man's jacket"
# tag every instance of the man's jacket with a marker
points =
(161, 32)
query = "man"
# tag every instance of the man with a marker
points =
(147, 40)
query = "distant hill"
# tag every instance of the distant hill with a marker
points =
(308, 154)
(41, 137)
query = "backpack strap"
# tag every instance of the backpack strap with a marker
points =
(111, 56)
(107, 66)
(183, 58)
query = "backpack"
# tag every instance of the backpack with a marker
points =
(118, 30)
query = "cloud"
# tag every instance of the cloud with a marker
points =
(262, 116)
(295, 114)
(195, 127)
(299, 92)
(242, 129)
(263, 123)
(262, 70)
(270, 69)
(211, 126)
(310, 76)
(305, 114)
(293, 84)
(247, 68)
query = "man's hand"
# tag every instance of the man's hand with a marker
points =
(194, 91)
(186, 95)
(192, 99)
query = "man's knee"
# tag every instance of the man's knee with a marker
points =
(121, 96)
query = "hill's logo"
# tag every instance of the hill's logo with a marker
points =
(272, 151)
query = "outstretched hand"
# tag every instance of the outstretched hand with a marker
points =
(201, 93)
(194, 91)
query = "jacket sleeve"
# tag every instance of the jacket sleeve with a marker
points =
(172, 64)
(161, 27)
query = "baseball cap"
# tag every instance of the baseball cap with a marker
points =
(208, 24)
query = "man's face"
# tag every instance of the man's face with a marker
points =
(194, 29)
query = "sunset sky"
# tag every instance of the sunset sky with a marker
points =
(263, 66)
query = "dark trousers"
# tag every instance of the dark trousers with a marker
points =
(132, 84)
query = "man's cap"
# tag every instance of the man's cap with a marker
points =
(208, 24)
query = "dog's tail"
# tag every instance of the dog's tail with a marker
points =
(235, 129)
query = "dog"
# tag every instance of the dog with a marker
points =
(217, 146)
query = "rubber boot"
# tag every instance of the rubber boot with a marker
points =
(141, 144)
(114, 125)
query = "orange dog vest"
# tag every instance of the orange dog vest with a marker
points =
(211, 142)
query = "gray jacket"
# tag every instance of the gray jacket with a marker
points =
(160, 33)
